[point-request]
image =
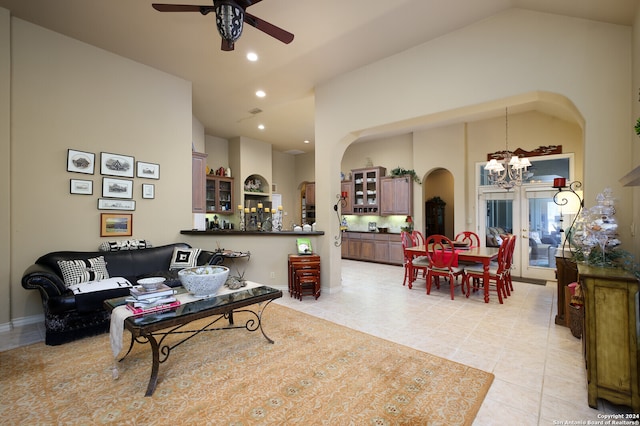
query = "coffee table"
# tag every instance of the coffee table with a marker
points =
(154, 328)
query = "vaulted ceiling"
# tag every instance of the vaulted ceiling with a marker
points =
(331, 38)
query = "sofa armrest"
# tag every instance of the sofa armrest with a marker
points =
(45, 279)
(56, 298)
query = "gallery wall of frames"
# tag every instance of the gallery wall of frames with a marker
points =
(118, 180)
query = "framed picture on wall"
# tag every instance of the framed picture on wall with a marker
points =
(80, 161)
(107, 204)
(148, 170)
(117, 188)
(116, 224)
(116, 164)
(148, 190)
(81, 186)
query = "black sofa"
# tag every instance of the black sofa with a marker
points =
(69, 316)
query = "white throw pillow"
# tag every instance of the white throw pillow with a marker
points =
(82, 270)
(184, 258)
(108, 284)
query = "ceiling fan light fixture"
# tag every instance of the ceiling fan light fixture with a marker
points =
(229, 19)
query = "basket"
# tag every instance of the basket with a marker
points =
(576, 319)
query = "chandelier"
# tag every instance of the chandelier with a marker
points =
(509, 170)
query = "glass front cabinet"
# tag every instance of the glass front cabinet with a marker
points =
(366, 190)
(219, 195)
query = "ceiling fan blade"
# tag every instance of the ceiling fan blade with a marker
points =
(264, 26)
(160, 7)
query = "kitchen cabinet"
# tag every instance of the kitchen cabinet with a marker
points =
(198, 179)
(396, 195)
(367, 246)
(396, 253)
(372, 247)
(310, 193)
(346, 187)
(354, 246)
(308, 203)
(219, 195)
(366, 190)
(344, 247)
(611, 335)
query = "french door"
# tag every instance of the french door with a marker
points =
(529, 213)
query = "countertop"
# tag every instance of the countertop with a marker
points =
(236, 232)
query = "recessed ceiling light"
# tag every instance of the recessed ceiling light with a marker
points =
(261, 126)
(261, 94)
(306, 142)
(252, 56)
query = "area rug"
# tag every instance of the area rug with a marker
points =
(316, 373)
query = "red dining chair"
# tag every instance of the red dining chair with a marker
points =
(508, 283)
(472, 239)
(412, 263)
(468, 237)
(443, 262)
(497, 272)
(418, 238)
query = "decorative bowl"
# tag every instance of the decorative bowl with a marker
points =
(151, 283)
(203, 280)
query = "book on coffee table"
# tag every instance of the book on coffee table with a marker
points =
(162, 290)
(160, 307)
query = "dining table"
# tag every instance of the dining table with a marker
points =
(483, 255)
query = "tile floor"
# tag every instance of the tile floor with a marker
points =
(538, 366)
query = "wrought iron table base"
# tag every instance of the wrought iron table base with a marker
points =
(160, 353)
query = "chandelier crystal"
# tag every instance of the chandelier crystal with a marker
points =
(510, 170)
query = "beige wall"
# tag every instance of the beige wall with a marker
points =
(67, 94)
(5, 169)
(635, 144)
(453, 72)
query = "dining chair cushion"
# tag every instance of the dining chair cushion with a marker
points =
(454, 269)
(479, 270)
(420, 261)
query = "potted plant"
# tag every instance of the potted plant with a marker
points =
(399, 171)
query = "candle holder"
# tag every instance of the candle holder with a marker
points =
(338, 207)
(241, 218)
(561, 199)
(277, 219)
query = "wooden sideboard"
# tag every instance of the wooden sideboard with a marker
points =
(566, 273)
(611, 331)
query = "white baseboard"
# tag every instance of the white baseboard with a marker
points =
(21, 322)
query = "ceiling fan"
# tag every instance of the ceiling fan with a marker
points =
(230, 14)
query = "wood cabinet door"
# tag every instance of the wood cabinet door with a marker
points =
(310, 194)
(403, 195)
(396, 195)
(198, 182)
(387, 198)
(354, 248)
(367, 250)
(396, 254)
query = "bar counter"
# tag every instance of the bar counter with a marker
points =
(235, 233)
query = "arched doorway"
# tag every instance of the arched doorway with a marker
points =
(438, 189)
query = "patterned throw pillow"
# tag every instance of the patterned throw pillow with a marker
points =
(184, 258)
(124, 245)
(83, 270)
